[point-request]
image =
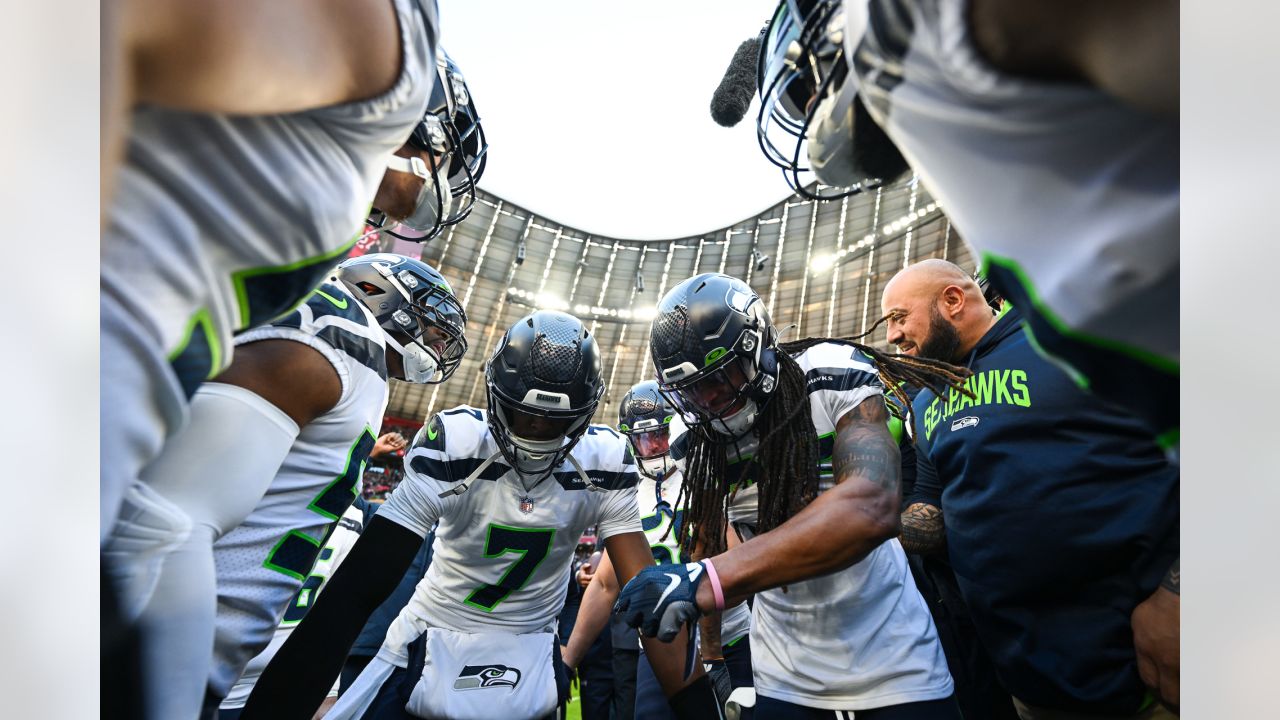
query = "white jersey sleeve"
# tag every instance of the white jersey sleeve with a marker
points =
(838, 378)
(416, 503)
(618, 511)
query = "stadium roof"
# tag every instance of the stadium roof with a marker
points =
(820, 266)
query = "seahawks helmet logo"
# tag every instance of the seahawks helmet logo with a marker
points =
(478, 677)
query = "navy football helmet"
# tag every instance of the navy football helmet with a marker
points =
(644, 417)
(456, 148)
(410, 298)
(543, 383)
(714, 348)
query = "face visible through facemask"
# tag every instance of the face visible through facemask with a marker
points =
(536, 439)
(411, 193)
(650, 450)
(719, 393)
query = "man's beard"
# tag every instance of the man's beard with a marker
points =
(943, 342)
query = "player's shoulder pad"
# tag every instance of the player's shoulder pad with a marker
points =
(448, 444)
(679, 448)
(331, 299)
(602, 452)
(334, 316)
(836, 366)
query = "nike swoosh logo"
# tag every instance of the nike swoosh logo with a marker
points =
(432, 432)
(675, 582)
(340, 304)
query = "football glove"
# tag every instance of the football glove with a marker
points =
(661, 599)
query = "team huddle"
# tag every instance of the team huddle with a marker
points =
(809, 528)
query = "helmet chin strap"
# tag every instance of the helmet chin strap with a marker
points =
(656, 467)
(420, 364)
(462, 486)
(591, 484)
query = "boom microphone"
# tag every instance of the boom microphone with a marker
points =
(733, 96)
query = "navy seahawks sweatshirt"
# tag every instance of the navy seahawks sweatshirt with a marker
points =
(1061, 515)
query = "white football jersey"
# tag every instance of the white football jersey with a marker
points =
(855, 639)
(262, 562)
(221, 223)
(657, 519)
(502, 551)
(1081, 190)
(344, 535)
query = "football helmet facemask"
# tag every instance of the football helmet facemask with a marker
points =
(456, 148)
(809, 105)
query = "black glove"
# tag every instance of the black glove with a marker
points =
(661, 599)
(564, 676)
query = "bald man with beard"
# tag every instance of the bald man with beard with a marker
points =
(1058, 511)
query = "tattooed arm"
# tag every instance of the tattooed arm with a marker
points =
(1157, 637)
(842, 526)
(922, 530)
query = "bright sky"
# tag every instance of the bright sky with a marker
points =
(597, 111)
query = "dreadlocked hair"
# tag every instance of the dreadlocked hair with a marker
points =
(785, 464)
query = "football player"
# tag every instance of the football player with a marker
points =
(1048, 133)
(344, 535)
(789, 444)
(238, 163)
(644, 418)
(509, 490)
(272, 456)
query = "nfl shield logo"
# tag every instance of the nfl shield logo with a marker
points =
(526, 504)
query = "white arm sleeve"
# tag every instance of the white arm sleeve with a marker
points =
(220, 465)
(216, 469)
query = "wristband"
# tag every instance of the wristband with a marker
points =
(716, 590)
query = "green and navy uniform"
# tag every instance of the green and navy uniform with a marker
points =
(221, 223)
(344, 535)
(660, 522)
(855, 639)
(1061, 515)
(501, 550)
(1070, 196)
(262, 563)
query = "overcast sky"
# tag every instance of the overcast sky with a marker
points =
(597, 111)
